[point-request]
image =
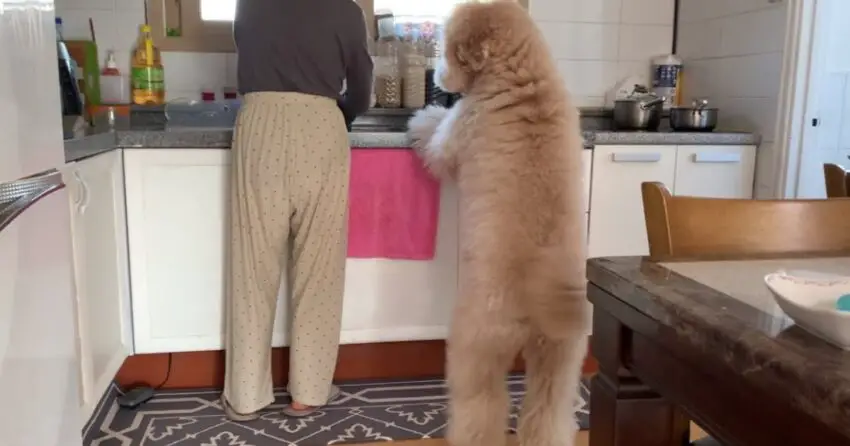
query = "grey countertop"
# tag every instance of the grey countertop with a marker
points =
(220, 138)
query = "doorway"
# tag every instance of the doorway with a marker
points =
(824, 111)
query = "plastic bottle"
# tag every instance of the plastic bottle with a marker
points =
(667, 78)
(59, 29)
(147, 74)
(114, 88)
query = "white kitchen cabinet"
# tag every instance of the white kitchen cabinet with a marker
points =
(715, 171)
(177, 215)
(176, 219)
(98, 225)
(617, 225)
(404, 300)
(587, 171)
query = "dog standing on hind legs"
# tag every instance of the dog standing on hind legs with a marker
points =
(513, 146)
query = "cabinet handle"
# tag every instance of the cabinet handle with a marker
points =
(717, 157)
(78, 189)
(636, 157)
(84, 193)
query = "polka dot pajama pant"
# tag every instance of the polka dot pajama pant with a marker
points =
(289, 201)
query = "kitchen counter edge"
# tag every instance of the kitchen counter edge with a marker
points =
(81, 148)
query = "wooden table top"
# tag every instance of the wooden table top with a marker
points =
(723, 309)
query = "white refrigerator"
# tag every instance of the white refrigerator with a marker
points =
(39, 369)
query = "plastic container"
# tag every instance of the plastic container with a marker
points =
(667, 79)
(114, 87)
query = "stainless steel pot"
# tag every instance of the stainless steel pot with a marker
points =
(641, 113)
(698, 118)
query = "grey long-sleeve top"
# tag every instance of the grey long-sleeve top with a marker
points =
(305, 46)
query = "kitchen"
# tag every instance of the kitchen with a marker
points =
(148, 203)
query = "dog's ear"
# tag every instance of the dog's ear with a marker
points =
(472, 36)
(473, 54)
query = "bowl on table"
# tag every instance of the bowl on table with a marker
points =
(810, 299)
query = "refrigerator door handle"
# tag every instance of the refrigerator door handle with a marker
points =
(16, 196)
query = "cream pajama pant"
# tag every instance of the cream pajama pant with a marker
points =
(289, 201)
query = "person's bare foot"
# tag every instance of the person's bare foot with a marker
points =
(299, 410)
(299, 406)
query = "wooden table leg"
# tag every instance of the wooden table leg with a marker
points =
(624, 411)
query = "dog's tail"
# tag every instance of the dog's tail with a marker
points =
(556, 294)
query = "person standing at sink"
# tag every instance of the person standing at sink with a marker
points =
(289, 193)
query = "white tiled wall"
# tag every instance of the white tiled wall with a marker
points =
(733, 53)
(596, 42)
(600, 42)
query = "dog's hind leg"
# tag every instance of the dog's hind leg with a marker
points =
(553, 369)
(480, 354)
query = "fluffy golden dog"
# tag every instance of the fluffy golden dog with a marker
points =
(513, 145)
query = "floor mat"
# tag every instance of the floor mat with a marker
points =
(364, 412)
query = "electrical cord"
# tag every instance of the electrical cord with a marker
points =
(167, 372)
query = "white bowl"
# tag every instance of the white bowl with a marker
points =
(808, 298)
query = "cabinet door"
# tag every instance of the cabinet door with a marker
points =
(404, 300)
(177, 215)
(617, 226)
(715, 171)
(587, 172)
(101, 269)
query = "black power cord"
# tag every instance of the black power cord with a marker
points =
(167, 372)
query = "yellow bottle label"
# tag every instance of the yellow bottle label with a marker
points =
(148, 78)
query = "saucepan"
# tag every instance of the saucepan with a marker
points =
(638, 113)
(697, 118)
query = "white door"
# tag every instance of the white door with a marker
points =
(39, 370)
(828, 98)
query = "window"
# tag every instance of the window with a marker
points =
(206, 25)
(218, 10)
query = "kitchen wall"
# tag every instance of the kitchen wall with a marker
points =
(116, 24)
(600, 42)
(596, 42)
(733, 53)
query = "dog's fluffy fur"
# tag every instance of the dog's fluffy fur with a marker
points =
(514, 146)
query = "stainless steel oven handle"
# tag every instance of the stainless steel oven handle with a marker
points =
(17, 196)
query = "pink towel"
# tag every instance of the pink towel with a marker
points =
(394, 204)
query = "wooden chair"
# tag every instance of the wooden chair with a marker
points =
(837, 181)
(691, 228)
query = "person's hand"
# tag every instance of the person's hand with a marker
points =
(349, 118)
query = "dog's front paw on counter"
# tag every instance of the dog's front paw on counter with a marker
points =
(423, 124)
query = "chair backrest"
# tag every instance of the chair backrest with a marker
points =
(837, 181)
(689, 228)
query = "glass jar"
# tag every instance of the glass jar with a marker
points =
(413, 94)
(388, 82)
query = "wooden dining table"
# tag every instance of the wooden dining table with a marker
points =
(705, 341)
